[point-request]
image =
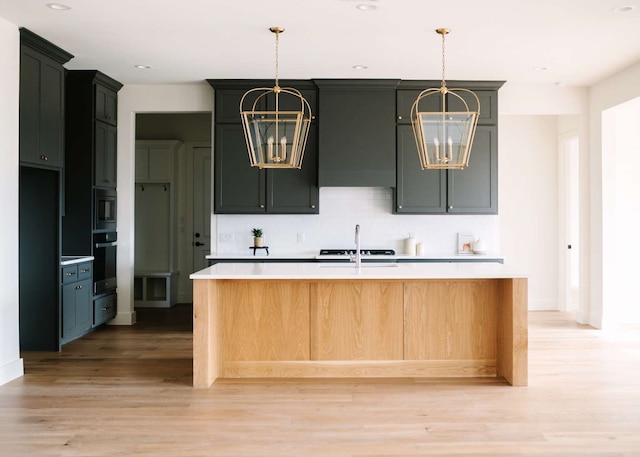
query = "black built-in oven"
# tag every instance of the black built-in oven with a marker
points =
(105, 208)
(105, 246)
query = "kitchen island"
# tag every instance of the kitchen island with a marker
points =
(313, 320)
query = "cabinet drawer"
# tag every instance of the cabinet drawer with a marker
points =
(69, 274)
(85, 270)
(104, 308)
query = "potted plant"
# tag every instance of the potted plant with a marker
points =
(257, 237)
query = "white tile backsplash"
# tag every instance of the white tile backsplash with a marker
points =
(341, 208)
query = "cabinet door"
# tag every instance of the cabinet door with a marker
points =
(356, 145)
(418, 191)
(106, 105)
(239, 187)
(105, 164)
(405, 99)
(41, 109)
(474, 190)
(76, 310)
(296, 191)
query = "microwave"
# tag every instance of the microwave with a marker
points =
(105, 209)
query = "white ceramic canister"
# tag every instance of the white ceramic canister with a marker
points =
(410, 246)
(420, 249)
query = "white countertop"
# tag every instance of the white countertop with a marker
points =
(315, 256)
(322, 270)
(73, 259)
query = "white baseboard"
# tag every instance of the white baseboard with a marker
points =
(11, 371)
(123, 319)
(543, 305)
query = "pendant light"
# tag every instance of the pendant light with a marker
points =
(444, 137)
(275, 138)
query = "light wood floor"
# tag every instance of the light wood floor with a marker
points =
(126, 391)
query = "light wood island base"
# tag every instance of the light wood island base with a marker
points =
(316, 328)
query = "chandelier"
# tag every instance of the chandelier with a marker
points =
(275, 138)
(444, 138)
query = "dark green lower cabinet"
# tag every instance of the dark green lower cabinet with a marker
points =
(76, 310)
(473, 190)
(77, 294)
(104, 309)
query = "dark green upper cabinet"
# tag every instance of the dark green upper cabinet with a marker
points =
(473, 190)
(91, 127)
(356, 136)
(105, 155)
(42, 101)
(238, 187)
(106, 104)
(418, 191)
(242, 189)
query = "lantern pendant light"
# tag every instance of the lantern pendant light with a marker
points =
(275, 138)
(444, 138)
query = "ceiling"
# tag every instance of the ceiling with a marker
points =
(577, 42)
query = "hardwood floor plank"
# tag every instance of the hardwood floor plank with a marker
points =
(127, 391)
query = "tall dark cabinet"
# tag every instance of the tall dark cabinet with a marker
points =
(473, 190)
(242, 189)
(41, 137)
(91, 179)
(91, 155)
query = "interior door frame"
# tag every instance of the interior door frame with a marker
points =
(567, 267)
(185, 215)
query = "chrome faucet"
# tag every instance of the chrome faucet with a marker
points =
(358, 258)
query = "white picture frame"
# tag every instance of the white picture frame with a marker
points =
(465, 243)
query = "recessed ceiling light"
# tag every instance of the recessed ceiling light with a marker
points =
(142, 67)
(624, 8)
(366, 7)
(58, 6)
(539, 68)
(561, 84)
(360, 67)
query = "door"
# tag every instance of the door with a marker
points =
(201, 206)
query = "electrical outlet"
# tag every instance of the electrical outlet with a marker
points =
(226, 238)
(300, 238)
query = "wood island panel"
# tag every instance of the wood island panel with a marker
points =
(360, 328)
(357, 320)
(450, 320)
(265, 320)
(512, 334)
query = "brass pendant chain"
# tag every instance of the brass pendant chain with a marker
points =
(277, 57)
(443, 84)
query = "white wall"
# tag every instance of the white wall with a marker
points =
(134, 99)
(10, 362)
(528, 196)
(615, 90)
(621, 219)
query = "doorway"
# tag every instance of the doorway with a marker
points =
(570, 222)
(193, 183)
